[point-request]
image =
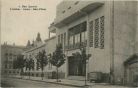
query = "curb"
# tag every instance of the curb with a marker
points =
(52, 82)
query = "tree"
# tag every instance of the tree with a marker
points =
(84, 58)
(26, 63)
(58, 58)
(37, 62)
(29, 64)
(42, 61)
(19, 63)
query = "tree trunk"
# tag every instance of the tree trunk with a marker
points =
(57, 74)
(21, 73)
(29, 74)
(85, 74)
(42, 74)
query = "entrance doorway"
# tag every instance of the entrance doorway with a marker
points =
(131, 70)
(76, 67)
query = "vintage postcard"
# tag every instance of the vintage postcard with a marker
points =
(69, 43)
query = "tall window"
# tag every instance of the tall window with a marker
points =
(102, 32)
(6, 66)
(64, 39)
(49, 66)
(86, 35)
(82, 36)
(91, 34)
(71, 40)
(76, 39)
(77, 34)
(58, 39)
(96, 33)
(83, 32)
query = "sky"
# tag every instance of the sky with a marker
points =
(19, 26)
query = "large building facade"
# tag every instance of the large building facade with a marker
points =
(107, 29)
(9, 53)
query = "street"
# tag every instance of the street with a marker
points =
(13, 82)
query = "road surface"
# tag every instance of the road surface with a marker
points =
(14, 82)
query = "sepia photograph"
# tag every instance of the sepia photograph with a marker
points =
(69, 43)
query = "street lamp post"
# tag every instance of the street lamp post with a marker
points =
(86, 72)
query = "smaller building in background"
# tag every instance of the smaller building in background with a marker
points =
(8, 55)
(31, 52)
(32, 49)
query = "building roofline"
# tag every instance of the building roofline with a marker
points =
(77, 14)
(50, 39)
(34, 48)
(14, 46)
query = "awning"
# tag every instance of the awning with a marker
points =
(132, 59)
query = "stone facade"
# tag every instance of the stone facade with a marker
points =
(8, 54)
(125, 27)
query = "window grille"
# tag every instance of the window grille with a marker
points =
(96, 42)
(91, 34)
(102, 32)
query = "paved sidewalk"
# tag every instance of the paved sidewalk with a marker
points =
(67, 82)
(74, 83)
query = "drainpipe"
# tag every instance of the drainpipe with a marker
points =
(112, 43)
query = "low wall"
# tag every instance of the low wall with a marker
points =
(48, 75)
